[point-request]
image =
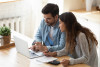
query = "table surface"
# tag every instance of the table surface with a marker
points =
(9, 57)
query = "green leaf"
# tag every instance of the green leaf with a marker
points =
(5, 31)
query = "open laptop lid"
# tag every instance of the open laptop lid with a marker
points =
(21, 44)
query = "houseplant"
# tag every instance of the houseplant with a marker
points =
(5, 32)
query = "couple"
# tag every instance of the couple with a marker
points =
(71, 39)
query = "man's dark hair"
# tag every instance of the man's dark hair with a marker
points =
(51, 8)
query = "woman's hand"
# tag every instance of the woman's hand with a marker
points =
(65, 62)
(46, 53)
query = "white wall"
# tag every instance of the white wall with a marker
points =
(11, 9)
(98, 2)
(27, 18)
(73, 4)
(59, 3)
(77, 4)
(18, 8)
(37, 6)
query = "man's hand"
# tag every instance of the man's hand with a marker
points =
(65, 62)
(38, 47)
(34, 48)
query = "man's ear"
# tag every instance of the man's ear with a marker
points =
(56, 17)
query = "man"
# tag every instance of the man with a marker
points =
(49, 37)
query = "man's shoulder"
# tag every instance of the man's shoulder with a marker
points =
(43, 22)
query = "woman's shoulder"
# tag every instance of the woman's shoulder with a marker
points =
(81, 34)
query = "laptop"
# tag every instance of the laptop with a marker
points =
(21, 43)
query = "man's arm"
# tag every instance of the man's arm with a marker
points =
(60, 45)
(37, 43)
(38, 35)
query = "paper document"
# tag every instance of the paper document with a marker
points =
(45, 59)
(37, 53)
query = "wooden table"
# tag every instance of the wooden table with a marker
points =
(10, 58)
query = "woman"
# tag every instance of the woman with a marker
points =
(80, 42)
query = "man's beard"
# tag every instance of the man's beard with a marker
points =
(51, 24)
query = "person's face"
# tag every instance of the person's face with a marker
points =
(62, 26)
(50, 20)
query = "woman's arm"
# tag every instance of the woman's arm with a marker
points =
(56, 53)
(62, 52)
(83, 43)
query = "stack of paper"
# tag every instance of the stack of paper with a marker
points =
(45, 59)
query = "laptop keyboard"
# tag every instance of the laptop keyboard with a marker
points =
(32, 55)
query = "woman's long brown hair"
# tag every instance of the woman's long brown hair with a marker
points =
(73, 28)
